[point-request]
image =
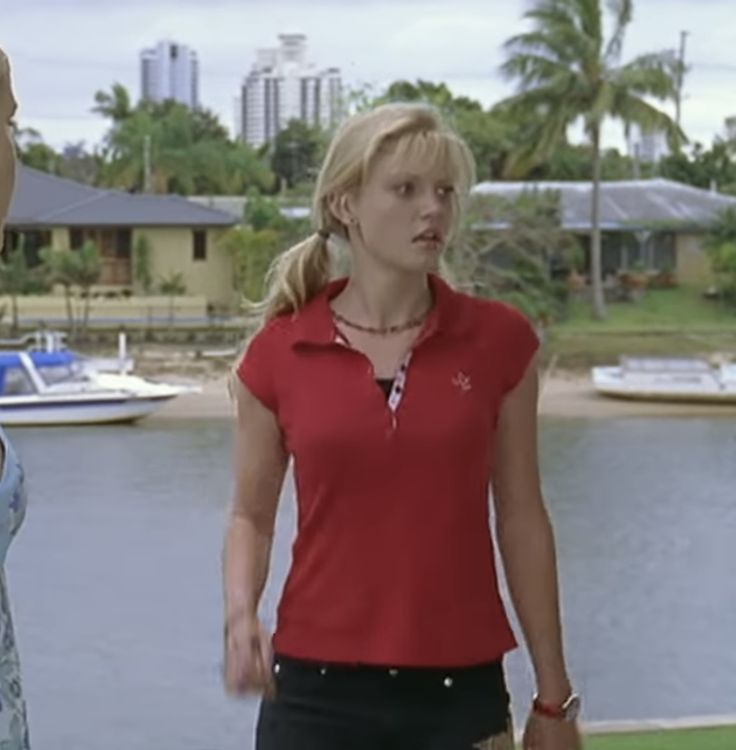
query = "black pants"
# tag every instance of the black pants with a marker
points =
(330, 707)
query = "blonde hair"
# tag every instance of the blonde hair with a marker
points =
(411, 132)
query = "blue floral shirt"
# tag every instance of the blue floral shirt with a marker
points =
(13, 723)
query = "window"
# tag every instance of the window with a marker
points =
(122, 243)
(199, 248)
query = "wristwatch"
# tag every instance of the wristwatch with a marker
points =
(568, 710)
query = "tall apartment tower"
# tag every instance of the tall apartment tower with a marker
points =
(283, 86)
(170, 71)
(647, 147)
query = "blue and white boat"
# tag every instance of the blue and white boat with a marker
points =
(39, 388)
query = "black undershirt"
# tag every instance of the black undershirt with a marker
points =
(385, 384)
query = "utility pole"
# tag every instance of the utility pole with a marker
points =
(146, 163)
(680, 77)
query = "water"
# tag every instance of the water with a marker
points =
(115, 577)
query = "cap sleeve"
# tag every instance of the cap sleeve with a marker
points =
(520, 344)
(257, 368)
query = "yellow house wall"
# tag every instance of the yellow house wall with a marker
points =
(173, 252)
(693, 266)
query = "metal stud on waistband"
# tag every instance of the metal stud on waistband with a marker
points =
(276, 668)
(448, 682)
(323, 671)
(393, 672)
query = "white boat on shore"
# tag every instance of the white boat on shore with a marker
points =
(667, 379)
(56, 388)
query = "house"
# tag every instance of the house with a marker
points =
(50, 211)
(657, 224)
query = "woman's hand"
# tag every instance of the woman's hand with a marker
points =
(542, 733)
(248, 656)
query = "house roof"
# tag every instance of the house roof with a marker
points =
(626, 205)
(44, 200)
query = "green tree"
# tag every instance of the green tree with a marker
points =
(515, 250)
(297, 152)
(173, 286)
(87, 270)
(59, 266)
(489, 135)
(114, 105)
(704, 167)
(165, 147)
(33, 151)
(15, 279)
(142, 261)
(252, 252)
(720, 244)
(566, 70)
(262, 212)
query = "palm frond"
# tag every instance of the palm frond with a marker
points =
(622, 12)
(633, 109)
(653, 74)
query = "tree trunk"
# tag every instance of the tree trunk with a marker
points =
(69, 311)
(85, 323)
(14, 308)
(596, 271)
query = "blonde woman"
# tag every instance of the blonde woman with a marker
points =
(13, 726)
(401, 401)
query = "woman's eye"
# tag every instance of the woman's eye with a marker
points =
(405, 188)
(445, 190)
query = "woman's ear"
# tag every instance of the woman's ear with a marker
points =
(342, 206)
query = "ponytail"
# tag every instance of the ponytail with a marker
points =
(297, 276)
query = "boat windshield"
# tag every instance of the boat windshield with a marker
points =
(59, 373)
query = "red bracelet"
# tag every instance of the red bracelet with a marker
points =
(568, 710)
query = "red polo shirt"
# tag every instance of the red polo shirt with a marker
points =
(393, 560)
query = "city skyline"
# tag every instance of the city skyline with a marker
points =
(379, 42)
(283, 85)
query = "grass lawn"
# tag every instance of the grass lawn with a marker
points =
(719, 738)
(670, 322)
(681, 308)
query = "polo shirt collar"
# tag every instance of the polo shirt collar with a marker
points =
(314, 323)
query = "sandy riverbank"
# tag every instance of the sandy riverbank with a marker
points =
(564, 395)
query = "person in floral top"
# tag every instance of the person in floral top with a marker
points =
(13, 722)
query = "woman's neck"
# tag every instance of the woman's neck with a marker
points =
(382, 300)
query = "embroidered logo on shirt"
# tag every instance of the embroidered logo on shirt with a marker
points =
(462, 381)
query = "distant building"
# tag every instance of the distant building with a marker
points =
(647, 147)
(283, 86)
(731, 128)
(170, 71)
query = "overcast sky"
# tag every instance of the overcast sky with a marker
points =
(64, 50)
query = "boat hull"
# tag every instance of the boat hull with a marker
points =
(608, 381)
(48, 412)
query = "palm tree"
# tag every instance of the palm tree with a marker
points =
(173, 286)
(567, 70)
(15, 279)
(60, 267)
(87, 272)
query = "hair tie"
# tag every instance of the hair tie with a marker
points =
(324, 234)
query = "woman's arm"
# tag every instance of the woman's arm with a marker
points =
(260, 461)
(525, 538)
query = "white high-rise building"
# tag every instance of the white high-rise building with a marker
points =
(731, 128)
(647, 147)
(170, 71)
(282, 86)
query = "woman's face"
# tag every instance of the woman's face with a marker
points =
(404, 214)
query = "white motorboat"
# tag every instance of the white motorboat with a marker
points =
(56, 388)
(667, 379)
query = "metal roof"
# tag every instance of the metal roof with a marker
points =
(44, 200)
(626, 205)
